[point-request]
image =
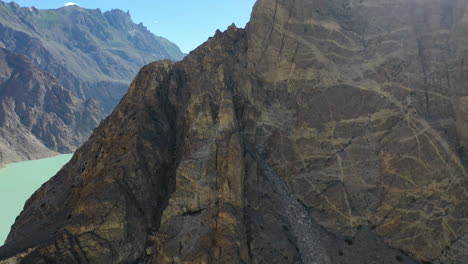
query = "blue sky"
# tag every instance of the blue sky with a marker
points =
(188, 23)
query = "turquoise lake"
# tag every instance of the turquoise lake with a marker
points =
(18, 181)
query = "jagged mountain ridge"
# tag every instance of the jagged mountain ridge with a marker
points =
(93, 54)
(89, 53)
(38, 117)
(326, 132)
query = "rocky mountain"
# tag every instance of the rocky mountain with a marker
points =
(327, 131)
(38, 117)
(93, 54)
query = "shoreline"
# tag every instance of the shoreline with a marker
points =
(5, 165)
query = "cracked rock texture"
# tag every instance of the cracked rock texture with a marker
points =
(38, 117)
(327, 131)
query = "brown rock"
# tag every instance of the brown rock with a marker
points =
(346, 115)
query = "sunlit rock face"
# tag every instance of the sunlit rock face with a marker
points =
(368, 105)
(325, 132)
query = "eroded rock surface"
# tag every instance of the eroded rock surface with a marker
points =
(326, 132)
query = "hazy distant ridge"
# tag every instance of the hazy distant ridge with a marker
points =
(92, 53)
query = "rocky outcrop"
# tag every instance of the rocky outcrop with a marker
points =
(38, 117)
(326, 132)
(93, 54)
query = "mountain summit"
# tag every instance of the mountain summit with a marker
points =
(93, 54)
(327, 131)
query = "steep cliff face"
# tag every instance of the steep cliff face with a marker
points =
(93, 54)
(326, 132)
(38, 117)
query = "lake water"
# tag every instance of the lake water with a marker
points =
(18, 181)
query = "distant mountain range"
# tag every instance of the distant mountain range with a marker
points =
(81, 52)
(90, 52)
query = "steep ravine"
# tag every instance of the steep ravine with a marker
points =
(315, 135)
